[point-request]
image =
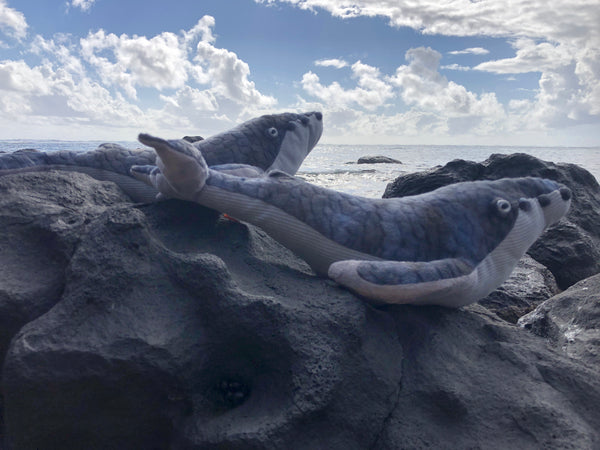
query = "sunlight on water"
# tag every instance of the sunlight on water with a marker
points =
(328, 165)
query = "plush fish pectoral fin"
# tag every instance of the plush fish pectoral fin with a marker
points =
(239, 170)
(448, 282)
(297, 137)
(180, 163)
(152, 176)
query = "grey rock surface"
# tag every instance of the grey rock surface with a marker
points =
(529, 285)
(41, 226)
(571, 321)
(472, 381)
(175, 328)
(571, 247)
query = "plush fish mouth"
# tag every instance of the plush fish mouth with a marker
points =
(181, 164)
(315, 127)
(301, 137)
(555, 204)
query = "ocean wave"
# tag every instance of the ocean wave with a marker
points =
(336, 172)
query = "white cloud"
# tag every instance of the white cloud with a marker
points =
(191, 100)
(456, 67)
(45, 92)
(170, 61)
(12, 22)
(422, 85)
(371, 91)
(576, 19)
(228, 76)
(159, 62)
(530, 57)
(17, 76)
(587, 70)
(58, 51)
(84, 5)
(79, 85)
(470, 51)
(336, 63)
(558, 39)
(94, 83)
(569, 85)
(202, 30)
(436, 106)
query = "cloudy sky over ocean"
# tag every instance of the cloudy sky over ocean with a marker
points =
(507, 72)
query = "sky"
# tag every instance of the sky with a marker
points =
(457, 72)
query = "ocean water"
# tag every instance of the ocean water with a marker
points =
(334, 166)
(327, 165)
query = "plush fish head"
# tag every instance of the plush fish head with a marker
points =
(527, 206)
(181, 166)
(471, 237)
(270, 142)
(486, 214)
(292, 135)
(545, 200)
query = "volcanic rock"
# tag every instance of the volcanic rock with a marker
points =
(179, 329)
(379, 159)
(193, 139)
(529, 285)
(41, 225)
(175, 328)
(571, 321)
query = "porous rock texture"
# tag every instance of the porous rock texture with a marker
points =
(528, 286)
(571, 321)
(166, 326)
(571, 247)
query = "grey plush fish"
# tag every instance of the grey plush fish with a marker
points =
(277, 141)
(448, 247)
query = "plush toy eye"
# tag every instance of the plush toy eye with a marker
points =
(272, 132)
(503, 206)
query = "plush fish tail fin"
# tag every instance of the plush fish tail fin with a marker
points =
(29, 160)
(21, 159)
(182, 170)
(448, 282)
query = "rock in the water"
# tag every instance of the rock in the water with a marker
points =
(111, 146)
(379, 159)
(571, 321)
(193, 139)
(571, 247)
(529, 285)
(178, 329)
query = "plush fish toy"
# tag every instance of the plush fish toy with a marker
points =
(270, 142)
(449, 247)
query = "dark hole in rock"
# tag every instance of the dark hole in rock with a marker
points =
(232, 392)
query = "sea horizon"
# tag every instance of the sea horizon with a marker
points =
(134, 142)
(334, 165)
